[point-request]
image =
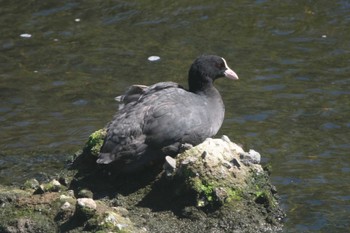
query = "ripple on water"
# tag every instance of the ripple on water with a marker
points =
(330, 126)
(58, 83)
(290, 96)
(120, 16)
(80, 102)
(54, 10)
(274, 87)
(5, 109)
(339, 92)
(267, 77)
(22, 123)
(258, 117)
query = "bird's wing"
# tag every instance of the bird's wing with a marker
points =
(176, 119)
(135, 92)
(125, 139)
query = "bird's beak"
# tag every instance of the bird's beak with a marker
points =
(230, 74)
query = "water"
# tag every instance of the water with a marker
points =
(62, 63)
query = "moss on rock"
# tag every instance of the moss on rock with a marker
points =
(215, 187)
(85, 160)
(214, 171)
(95, 142)
(219, 175)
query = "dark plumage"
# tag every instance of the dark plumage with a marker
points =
(155, 121)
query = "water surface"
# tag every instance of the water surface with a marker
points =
(62, 63)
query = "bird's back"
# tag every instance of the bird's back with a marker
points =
(162, 116)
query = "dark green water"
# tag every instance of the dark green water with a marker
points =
(292, 102)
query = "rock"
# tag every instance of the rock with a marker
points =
(95, 142)
(65, 212)
(52, 186)
(70, 193)
(252, 157)
(215, 186)
(85, 193)
(66, 198)
(122, 211)
(220, 179)
(215, 171)
(86, 207)
(20, 212)
(66, 205)
(64, 180)
(23, 211)
(26, 225)
(85, 160)
(31, 184)
(112, 220)
(169, 165)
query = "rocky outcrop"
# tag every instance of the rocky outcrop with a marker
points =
(58, 211)
(213, 187)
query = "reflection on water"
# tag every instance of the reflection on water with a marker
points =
(59, 78)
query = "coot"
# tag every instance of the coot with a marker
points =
(156, 121)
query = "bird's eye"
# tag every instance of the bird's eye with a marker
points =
(220, 65)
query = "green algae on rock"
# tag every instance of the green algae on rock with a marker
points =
(86, 158)
(218, 178)
(215, 172)
(52, 186)
(23, 211)
(213, 187)
(95, 142)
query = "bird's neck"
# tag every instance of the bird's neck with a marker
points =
(200, 85)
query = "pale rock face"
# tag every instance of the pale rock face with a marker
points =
(222, 158)
(87, 203)
(218, 170)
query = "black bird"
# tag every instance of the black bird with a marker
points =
(155, 121)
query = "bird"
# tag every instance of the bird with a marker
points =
(155, 121)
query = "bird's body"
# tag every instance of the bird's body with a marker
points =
(155, 121)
